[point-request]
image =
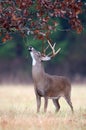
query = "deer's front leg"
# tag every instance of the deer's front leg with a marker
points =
(38, 99)
(45, 104)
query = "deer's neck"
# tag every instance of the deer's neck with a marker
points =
(38, 72)
(37, 69)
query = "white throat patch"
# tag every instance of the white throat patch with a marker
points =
(33, 59)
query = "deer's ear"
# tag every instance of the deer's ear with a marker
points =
(45, 58)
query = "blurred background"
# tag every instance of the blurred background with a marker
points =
(15, 60)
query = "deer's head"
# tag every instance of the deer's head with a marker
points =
(38, 57)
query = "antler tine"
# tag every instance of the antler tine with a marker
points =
(57, 51)
(46, 48)
(53, 53)
(52, 47)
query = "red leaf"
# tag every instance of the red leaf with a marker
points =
(4, 40)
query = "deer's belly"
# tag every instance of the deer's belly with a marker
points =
(56, 96)
(50, 95)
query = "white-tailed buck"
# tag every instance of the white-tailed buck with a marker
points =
(48, 86)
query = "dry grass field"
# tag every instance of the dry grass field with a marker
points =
(18, 110)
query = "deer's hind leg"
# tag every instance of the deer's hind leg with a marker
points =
(68, 99)
(56, 103)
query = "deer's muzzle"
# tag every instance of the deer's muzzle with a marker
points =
(30, 48)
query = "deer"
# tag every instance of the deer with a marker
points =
(46, 85)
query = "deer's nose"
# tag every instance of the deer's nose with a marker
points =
(30, 48)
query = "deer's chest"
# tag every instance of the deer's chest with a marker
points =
(41, 90)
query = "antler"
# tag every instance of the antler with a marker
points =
(44, 51)
(53, 53)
